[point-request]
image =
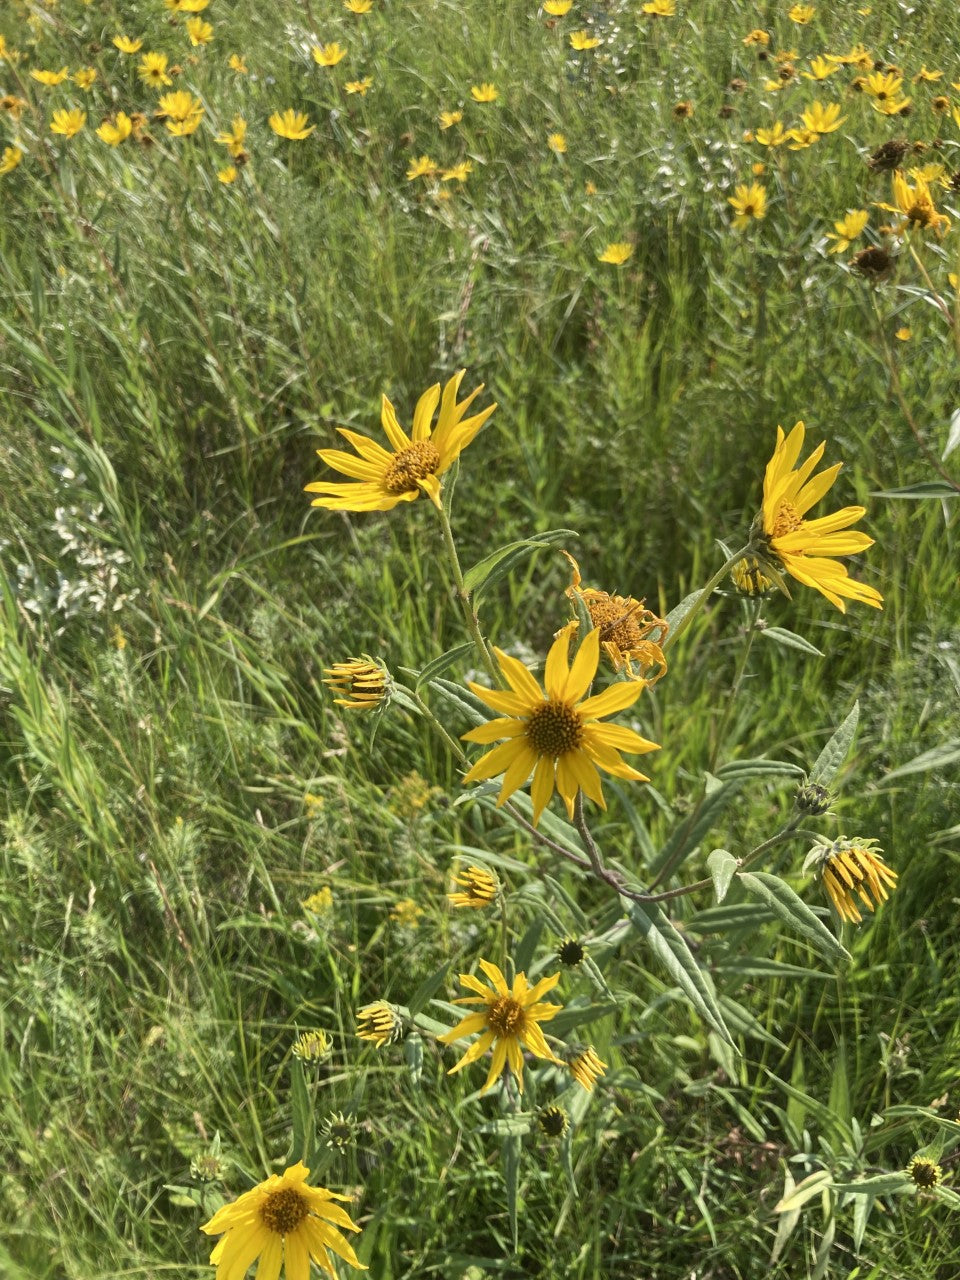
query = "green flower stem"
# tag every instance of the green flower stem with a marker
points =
(615, 881)
(463, 597)
(428, 714)
(677, 631)
(754, 608)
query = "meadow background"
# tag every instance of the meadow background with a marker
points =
(176, 779)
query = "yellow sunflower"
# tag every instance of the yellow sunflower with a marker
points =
(508, 1022)
(555, 734)
(851, 869)
(417, 461)
(281, 1220)
(804, 548)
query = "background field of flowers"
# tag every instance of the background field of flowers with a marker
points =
(202, 855)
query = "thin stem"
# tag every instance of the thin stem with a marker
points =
(897, 389)
(754, 607)
(428, 713)
(930, 285)
(463, 598)
(677, 631)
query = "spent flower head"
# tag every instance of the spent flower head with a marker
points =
(379, 1022)
(479, 888)
(363, 683)
(312, 1046)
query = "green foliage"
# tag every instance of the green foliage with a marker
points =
(177, 782)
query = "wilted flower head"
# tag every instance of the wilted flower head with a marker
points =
(625, 628)
(924, 1172)
(553, 1121)
(586, 1067)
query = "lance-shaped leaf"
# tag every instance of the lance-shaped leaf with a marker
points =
(672, 950)
(793, 911)
(828, 762)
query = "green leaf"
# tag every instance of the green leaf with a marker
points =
(788, 1220)
(936, 758)
(828, 762)
(738, 770)
(510, 1151)
(507, 1126)
(428, 988)
(500, 562)
(413, 1056)
(947, 1195)
(793, 911)
(925, 489)
(721, 866)
(445, 660)
(790, 640)
(574, 1016)
(527, 947)
(301, 1112)
(680, 611)
(735, 915)
(880, 1184)
(803, 1191)
(674, 954)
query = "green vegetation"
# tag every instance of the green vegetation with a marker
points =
(176, 778)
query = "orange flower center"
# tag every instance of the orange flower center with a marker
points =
(788, 520)
(283, 1211)
(554, 728)
(616, 616)
(505, 1016)
(411, 465)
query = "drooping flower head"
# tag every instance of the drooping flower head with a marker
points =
(383, 478)
(806, 548)
(479, 888)
(586, 1067)
(508, 1022)
(364, 683)
(554, 733)
(281, 1221)
(851, 869)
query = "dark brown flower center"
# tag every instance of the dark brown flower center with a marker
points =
(554, 728)
(410, 465)
(283, 1211)
(505, 1016)
(788, 520)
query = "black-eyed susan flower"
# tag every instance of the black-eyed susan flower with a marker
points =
(660, 8)
(422, 167)
(749, 203)
(359, 86)
(380, 1023)
(115, 131)
(508, 1023)
(924, 1172)
(200, 32)
(554, 733)
(458, 172)
(775, 136)
(801, 14)
(49, 79)
(484, 92)
(9, 160)
(820, 118)
(851, 869)
(358, 6)
(586, 1067)
(616, 253)
(127, 45)
(237, 63)
(181, 112)
(557, 143)
(806, 548)
(916, 204)
(448, 119)
(383, 478)
(582, 40)
(153, 70)
(849, 227)
(820, 69)
(68, 123)
(281, 1221)
(625, 628)
(328, 55)
(478, 888)
(85, 78)
(758, 37)
(292, 125)
(234, 138)
(557, 8)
